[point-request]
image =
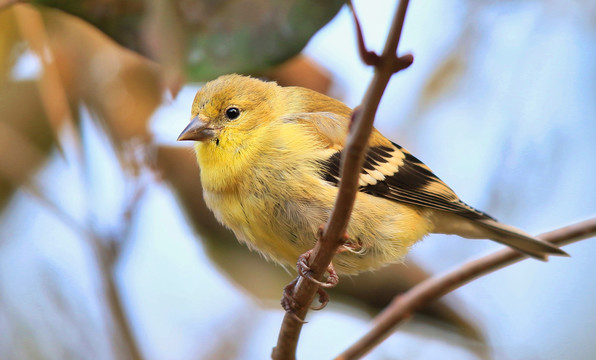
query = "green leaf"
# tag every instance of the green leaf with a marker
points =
(207, 38)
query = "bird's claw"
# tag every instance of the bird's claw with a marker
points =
(323, 299)
(288, 302)
(290, 305)
(305, 271)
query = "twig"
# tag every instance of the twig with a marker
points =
(356, 144)
(368, 57)
(124, 341)
(107, 253)
(405, 305)
(55, 100)
(51, 87)
(123, 337)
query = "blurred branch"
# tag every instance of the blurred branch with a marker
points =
(106, 261)
(105, 255)
(55, 102)
(51, 88)
(327, 245)
(165, 37)
(107, 250)
(124, 336)
(431, 289)
(375, 290)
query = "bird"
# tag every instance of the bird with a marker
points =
(269, 159)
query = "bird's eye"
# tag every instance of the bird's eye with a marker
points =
(232, 113)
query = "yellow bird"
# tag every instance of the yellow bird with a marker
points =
(269, 159)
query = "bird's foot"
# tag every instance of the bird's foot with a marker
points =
(305, 271)
(288, 303)
(323, 299)
(291, 306)
(350, 245)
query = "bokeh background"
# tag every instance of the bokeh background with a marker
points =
(107, 252)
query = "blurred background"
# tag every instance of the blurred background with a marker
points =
(108, 252)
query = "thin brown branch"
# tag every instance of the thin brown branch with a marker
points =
(51, 88)
(356, 144)
(123, 338)
(404, 306)
(368, 57)
(107, 250)
(56, 105)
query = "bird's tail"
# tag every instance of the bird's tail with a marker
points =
(519, 240)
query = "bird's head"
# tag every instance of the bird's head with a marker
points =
(231, 104)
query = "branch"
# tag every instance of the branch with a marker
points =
(356, 144)
(52, 90)
(56, 105)
(405, 305)
(122, 338)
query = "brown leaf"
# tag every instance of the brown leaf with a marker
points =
(25, 135)
(302, 71)
(121, 88)
(51, 89)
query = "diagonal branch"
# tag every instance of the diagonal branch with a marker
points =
(404, 306)
(51, 86)
(330, 240)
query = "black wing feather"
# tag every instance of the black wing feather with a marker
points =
(404, 179)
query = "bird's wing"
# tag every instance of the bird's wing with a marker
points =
(389, 170)
(331, 129)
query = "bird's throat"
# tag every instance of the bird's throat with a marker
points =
(223, 163)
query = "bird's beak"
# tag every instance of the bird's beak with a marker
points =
(197, 130)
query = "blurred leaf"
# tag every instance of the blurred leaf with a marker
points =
(25, 135)
(51, 89)
(301, 71)
(121, 88)
(211, 37)
(78, 65)
(9, 51)
(444, 78)
(165, 38)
